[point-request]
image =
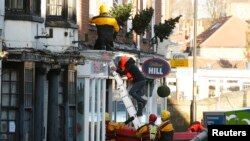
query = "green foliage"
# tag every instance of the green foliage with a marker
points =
(121, 13)
(141, 20)
(163, 91)
(163, 30)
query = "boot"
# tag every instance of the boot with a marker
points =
(140, 106)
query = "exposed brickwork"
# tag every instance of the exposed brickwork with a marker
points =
(86, 33)
(158, 12)
(83, 18)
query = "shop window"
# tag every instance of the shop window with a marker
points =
(72, 88)
(67, 114)
(28, 93)
(8, 127)
(10, 91)
(28, 101)
(9, 107)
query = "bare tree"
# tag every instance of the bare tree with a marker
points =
(216, 8)
(182, 7)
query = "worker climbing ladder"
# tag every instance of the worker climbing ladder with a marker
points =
(125, 97)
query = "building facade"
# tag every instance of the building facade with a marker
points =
(38, 97)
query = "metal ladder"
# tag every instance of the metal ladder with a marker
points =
(125, 97)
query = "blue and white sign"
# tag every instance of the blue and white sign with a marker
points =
(155, 68)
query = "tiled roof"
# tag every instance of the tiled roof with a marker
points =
(213, 28)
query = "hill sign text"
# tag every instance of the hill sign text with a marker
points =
(155, 68)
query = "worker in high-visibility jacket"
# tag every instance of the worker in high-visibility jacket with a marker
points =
(149, 131)
(126, 66)
(196, 126)
(166, 127)
(107, 29)
(112, 127)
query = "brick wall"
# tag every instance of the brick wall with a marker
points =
(83, 19)
(86, 34)
(158, 12)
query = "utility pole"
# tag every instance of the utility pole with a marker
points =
(193, 104)
(138, 37)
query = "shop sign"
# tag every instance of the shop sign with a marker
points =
(155, 68)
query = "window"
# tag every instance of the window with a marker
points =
(10, 104)
(14, 4)
(62, 9)
(71, 89)
(55, 7)
(211, 91)
(31, 7)
(71, 10)
(10, 89)
(28, 94)
(28, 101)
(61, 89)
(67, 105)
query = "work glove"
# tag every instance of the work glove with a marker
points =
(113, 68)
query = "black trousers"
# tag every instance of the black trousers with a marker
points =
(104, 44)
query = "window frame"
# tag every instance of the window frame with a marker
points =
(26, 7)
(9, 109)
(65, 14)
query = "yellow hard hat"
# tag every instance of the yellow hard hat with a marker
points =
(165, 114)
(107, 117)
(103, 9)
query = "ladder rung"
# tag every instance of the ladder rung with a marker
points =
(125, 98)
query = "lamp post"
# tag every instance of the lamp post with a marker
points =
(193, 104)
